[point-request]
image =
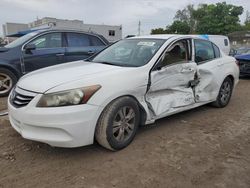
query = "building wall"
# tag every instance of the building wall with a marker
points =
(11, 28)
(240, 39)
(110, 32)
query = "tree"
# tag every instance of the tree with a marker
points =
(186, 16)
(220, 18)
(247, 21)
(158, 31)
(178, 27)
(1, 42)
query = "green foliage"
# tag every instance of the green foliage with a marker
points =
(187, 17)
(158, 31)
(219, 18)
(180, 27)
(1, 40)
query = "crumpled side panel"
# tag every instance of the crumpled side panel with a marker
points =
(206, 90)
(166, 101)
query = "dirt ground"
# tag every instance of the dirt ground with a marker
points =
(204, 147)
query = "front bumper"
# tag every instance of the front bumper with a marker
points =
(70, 126)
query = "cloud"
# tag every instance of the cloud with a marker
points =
(151, 13)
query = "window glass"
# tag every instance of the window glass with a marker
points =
(203, 51)
(177, 53)
(51, 40)
(78, 40)
(111, 32)
(130, 52)
(216, 51)
(95, 41)
(20, 40)
(226, 42)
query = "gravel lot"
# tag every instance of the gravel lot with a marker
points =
(204, 147)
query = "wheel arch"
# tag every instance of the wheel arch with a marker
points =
(143, 113)
(231, 78)
(12, 69)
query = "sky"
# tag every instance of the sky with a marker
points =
(151, 13)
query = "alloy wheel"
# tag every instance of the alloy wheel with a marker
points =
(6, 83)
(124, 124)
(225, 92)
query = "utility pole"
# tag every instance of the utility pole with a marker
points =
(139, 28)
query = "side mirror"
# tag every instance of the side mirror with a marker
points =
(29, 47)
(158, 67)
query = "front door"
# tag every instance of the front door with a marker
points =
(171, 89)
(48, 51)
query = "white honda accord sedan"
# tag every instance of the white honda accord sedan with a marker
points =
(133, 82)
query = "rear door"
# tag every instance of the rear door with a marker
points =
(210, 70)
(81, 46)
(49, 51)
(171, 89)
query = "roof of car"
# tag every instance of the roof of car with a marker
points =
(160, 36)
(72, 30)
(168, 36)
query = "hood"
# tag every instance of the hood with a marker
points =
(44, 79)
(3, 49)
(243, 57)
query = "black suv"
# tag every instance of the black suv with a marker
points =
(44, 48)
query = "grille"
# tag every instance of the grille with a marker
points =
(20, 98)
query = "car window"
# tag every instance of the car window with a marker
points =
(51, 40)
(177, 53)
(95, 41)
(129, 52)
(78, 40)
(203, 51)
(216, 51)
(20, 40)
(225, 42)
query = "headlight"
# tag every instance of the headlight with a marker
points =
(69, 97)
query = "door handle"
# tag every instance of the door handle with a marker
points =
(60, 54)
(219, 65)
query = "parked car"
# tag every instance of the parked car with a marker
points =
(239, 51)
(133, 82)
(244, 63)
(44, 48)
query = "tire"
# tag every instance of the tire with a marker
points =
(225, 94)
(7, 81)
(118, 124)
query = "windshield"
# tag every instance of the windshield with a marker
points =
(129, 52)
(20, 40)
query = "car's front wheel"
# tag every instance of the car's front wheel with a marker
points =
(225, 93)
(117, 125)
(7, 81)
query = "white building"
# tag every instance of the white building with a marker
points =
(12, 28)
(111, 32)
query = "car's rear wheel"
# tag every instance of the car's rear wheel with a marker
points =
(225, 93)
(7, 81)
(117, 125)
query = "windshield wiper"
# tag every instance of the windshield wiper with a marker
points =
(106, 63)
(114, 64)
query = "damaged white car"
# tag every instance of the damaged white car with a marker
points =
(133, 82)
